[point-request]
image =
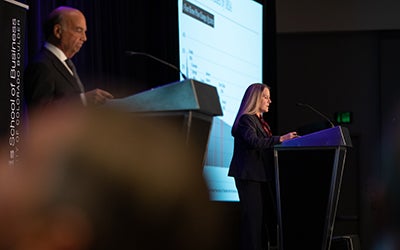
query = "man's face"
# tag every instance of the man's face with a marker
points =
(72, 33)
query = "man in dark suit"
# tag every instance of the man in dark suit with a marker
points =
(51, 78)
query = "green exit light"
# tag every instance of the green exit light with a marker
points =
(343, 117)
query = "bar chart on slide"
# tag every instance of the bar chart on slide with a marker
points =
(220, 44)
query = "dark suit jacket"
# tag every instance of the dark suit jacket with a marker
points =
(46, 80)
(252, 154)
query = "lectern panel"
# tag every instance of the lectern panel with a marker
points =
(305, 185)
(187, 106)
(309, 171)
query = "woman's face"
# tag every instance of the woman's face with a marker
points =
(265, 101)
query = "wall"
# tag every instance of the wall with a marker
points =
(336, 15)
(343, 56)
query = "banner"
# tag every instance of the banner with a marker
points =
(12, 30)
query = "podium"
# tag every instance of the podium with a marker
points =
(308, 172)
(188, 105)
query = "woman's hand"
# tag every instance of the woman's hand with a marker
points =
(288, 136)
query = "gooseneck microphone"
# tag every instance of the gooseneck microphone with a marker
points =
(317, 112)
(134, 53)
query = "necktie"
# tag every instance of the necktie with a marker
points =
(71, 65)
(78, 80)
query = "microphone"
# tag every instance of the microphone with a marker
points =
(317, 112)
(134, 53)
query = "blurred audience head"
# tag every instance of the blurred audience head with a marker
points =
(105, 179)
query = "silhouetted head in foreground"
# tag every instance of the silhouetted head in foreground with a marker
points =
(105, 179)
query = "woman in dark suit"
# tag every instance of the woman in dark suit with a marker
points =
(252, 168)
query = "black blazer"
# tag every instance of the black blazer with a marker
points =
(47, 80)
(252, 154)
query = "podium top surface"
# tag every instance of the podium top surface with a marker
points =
(331, 137)
(17, 4)
(187, 95)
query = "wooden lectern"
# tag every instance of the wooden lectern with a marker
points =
(308, 175)
(189, 105)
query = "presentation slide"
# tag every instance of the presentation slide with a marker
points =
(220, 44)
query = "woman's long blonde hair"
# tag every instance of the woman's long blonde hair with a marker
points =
(250, 103)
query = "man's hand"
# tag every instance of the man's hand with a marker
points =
(98, 96)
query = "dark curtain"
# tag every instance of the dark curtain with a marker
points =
(114, 27)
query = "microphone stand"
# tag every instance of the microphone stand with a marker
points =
(317, 112)
(132, 53)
